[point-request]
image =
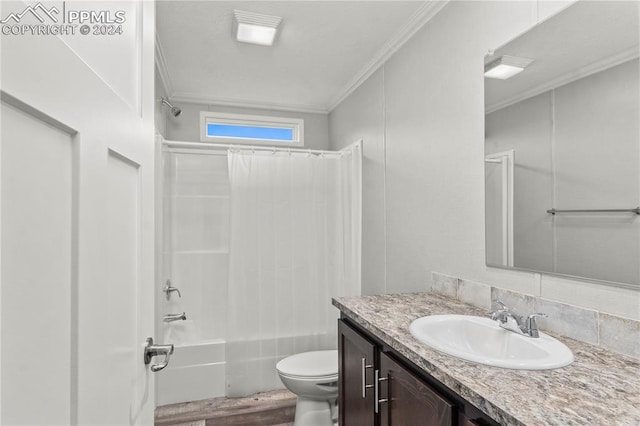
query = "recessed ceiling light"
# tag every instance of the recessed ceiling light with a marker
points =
(506, 67)
(255, 28)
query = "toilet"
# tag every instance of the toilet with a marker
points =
(313, 377)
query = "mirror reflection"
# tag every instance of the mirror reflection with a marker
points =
(562, 149)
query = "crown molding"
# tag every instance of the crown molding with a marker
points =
(593, 68)
(420, 17)
(194, 98)
(162, 68)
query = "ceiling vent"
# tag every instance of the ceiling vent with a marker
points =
(255, 28)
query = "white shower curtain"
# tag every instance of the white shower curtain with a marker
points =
(294, 244)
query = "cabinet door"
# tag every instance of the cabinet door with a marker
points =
(356, 362)
(409, 400)
(465, 421)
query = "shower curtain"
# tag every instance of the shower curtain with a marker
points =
(294, 244)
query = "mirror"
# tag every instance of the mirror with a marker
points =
(562, 147)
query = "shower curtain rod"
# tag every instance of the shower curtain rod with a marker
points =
(201, 145)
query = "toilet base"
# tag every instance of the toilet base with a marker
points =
(313, 412)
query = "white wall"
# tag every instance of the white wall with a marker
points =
(195, 246)
(186, 127)
(361, 116)
(425, 158)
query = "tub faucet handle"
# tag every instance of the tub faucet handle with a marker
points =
(168, 289)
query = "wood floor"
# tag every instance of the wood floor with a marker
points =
(275, 408)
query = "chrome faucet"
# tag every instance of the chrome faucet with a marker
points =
(511, 321)
(174, 317)
(168, 289)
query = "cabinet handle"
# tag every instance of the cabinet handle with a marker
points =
(365, 386)
(378, 401)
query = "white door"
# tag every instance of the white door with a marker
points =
(76, 217)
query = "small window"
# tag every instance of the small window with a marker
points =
(251, 129)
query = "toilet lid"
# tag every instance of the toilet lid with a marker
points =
(310, 364)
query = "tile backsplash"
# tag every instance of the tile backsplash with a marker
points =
(611, 332)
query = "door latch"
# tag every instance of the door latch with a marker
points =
(151, 350)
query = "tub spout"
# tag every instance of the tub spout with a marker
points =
(174, 317)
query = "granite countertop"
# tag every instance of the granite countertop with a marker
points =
(599, 388)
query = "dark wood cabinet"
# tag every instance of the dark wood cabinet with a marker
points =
(407, 400)
(356, 360)
(464, 421)
(379, 387)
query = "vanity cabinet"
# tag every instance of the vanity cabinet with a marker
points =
(357, 358)
(378, 387)
(406, 400)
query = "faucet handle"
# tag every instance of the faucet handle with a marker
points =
(168, 289)
(532, 326)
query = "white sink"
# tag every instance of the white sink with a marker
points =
(483, 341)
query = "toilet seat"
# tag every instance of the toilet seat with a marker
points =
(317, 365)
(319, 379)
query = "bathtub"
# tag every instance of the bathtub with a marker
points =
(196, 371)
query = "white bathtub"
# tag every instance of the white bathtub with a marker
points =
(196, 371)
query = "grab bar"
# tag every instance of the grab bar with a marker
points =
(636, 211)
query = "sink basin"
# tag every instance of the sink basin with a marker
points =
(483, 341)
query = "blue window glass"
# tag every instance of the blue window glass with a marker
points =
(249, 132)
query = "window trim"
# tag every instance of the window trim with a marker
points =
(296, 124)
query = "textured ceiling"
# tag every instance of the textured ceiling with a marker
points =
(322, 48)
(587, 37)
